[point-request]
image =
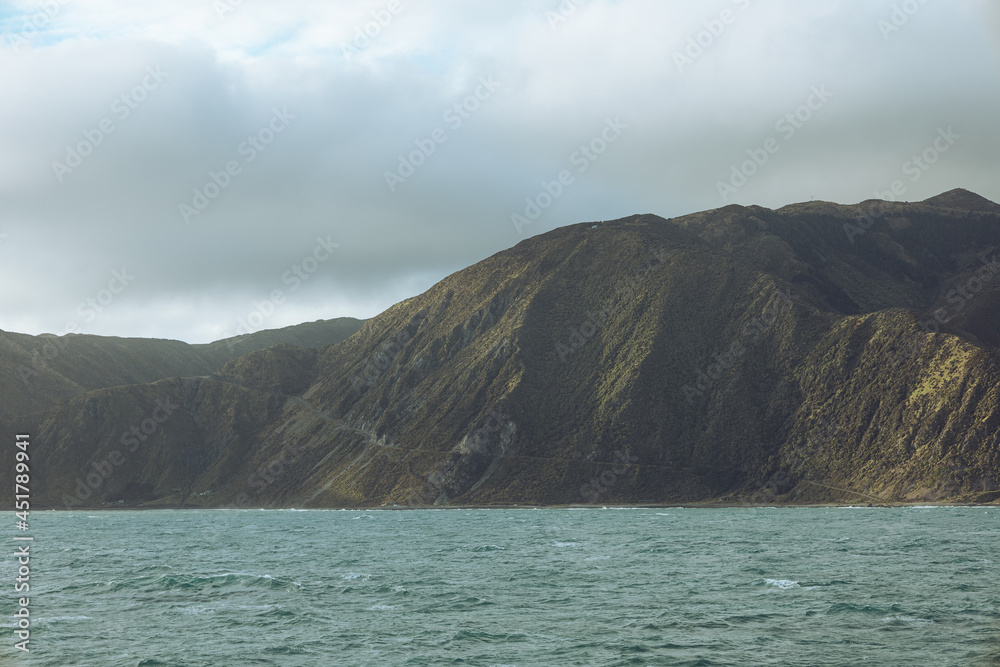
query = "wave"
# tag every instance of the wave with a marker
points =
(851, 608)
(899, 619)
(190, 581)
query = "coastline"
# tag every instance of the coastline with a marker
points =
(517, 506)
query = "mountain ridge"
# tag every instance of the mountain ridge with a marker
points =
(742, 353)
(38, 372)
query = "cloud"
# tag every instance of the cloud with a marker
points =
(363, 85)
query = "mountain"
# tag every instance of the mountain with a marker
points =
(814, 353)
(40, 372)
(963, 200)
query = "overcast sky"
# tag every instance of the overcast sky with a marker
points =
(180, 163)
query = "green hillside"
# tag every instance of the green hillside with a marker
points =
(814, 353)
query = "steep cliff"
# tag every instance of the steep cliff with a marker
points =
(813, 353)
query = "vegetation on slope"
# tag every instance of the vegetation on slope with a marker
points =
(814, 353)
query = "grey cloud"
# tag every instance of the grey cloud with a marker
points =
(324, 174)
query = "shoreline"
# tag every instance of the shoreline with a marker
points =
(513, 506)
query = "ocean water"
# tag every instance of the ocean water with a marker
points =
(830, 586)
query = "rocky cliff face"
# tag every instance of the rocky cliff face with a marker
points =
(813, 353)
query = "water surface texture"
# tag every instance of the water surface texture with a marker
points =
(837, 586)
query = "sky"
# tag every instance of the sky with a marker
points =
(198, 169)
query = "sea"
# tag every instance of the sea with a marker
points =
(512, 587)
